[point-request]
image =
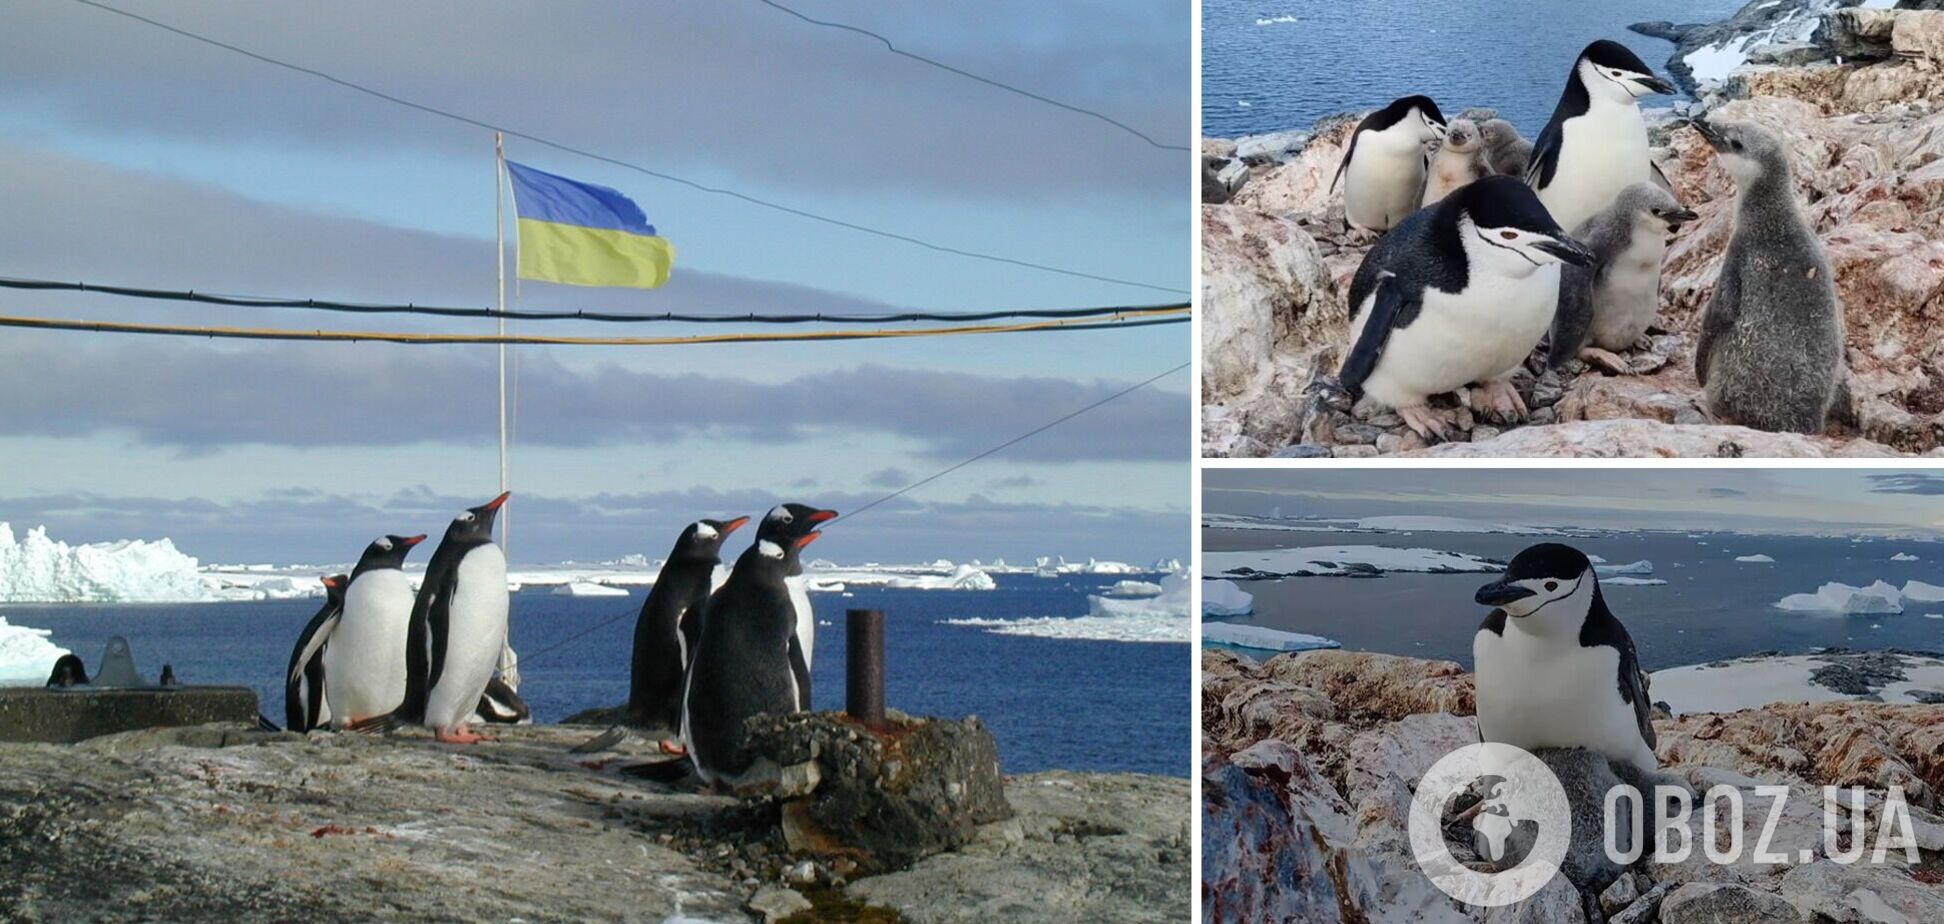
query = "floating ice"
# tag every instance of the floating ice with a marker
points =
(26, 656)
(1130, 588)
(1633, 567)
(1920, 592)
(1162, 618)
(1223, 598)
(587, 589)
(1756, 559)
(1426, 524)
(1340, 560)
(1629, 581)
(1903, 556)
(36, 569)
(1228, 633)
(1835, 597)
(1277, 20)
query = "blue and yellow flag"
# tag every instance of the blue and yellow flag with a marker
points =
(580, 234)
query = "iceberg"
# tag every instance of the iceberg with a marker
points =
(587, 589)
(1920, 592)
(1633, 567)
(26, 656)
(1240, 636)
(1903, 556)
(1131, 588)
(1835, 597)
(1338, 560)
(1756, 559)
(37, 569)
(1224, 598)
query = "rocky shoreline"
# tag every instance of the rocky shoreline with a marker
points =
(1309, 761)
(1867, 135)
(221, 822)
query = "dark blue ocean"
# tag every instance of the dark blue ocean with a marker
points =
(1711, 607)
(1263, 73)
(1052, 703)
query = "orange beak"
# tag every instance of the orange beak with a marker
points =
(495, 503)
(733, 525)
(410, 541)
(807, 538)
(823, 515)
(329, 582)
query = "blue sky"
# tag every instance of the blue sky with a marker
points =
(1803, 501)
(129, 155)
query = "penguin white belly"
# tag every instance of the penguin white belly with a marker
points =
(1628, 296)
(1600, 153)
(1537, 695)
(475, 632)
(1482, 333)
(1385, 177)
(806, 618)
(364, 666)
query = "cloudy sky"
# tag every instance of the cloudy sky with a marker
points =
(129, 155)
(1798, 501)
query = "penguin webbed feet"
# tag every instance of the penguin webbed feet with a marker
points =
(1434, 426)
(1501, 399)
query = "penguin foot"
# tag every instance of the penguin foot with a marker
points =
(672, 746)
(1434, 426)
(1607, 361)
(1499, 398)
(460, 735)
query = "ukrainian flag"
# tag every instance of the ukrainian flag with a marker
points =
(580, 234)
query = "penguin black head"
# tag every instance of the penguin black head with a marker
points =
(1747, 150)
(789, 528)
(1611, 70)
(1508, 224)
(702, 540)
(1420, 112)
(68, 672)
(387, 552)
(334, 586)
(1540, 576)
(476, 524)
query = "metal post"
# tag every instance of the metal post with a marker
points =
(864, 665)
(499, 259)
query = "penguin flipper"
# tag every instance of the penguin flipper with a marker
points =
(1348, 151)
(312, 643)
(1574, 317)
(1392, 307)
(1545, 155)
(801, 670)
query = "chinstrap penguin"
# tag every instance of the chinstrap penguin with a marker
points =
(670, 623)
(748, 660)
(1596, 143)
(1553, 668)
(1382, 172)
(1770, 353)
(1459, 158)
(306, 705)
(458, 629)
(1607, 307)
(364, 664)
(1459, 293)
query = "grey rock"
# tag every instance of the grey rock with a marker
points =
(1303, 451)
(1271, 149)
(1620, 894)
(1389, 443)
(774, 903)
(1862, 893)
(1354, 452)
(1557, 903)
(1645, 909)
(1723, 903)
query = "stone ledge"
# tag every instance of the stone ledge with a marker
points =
(33, 714)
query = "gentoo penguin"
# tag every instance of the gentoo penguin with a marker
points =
(306, 704)
(671, 622)
(1771, 346)
(1507, 150)
(1554, 668)
(502, 705)
(1458, 159)
(1459, 293)
(1383, 167)
(743, 664)
(68, 672)
(1606, 307)
(784, 525)
(1596, 143)
(458, 629)
(364, 666)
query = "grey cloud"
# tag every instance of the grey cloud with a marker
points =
(888, 478)
(1015, 481)
(1906, 483)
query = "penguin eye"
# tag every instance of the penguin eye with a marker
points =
(1509, 235)
(1552, 585)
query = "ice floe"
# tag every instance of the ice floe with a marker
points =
(587, 589)
(1263, 638)
(1903, 556)
(1756, 559)
(26, 656)
(1340, 560)
(1625, 580)
(1132, 588)
(1632, 567)
(1224, 598)
(1162, 618)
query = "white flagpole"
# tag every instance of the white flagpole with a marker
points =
(508, 661)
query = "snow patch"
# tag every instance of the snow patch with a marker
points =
(1749, 683)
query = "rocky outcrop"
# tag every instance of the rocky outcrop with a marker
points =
(226, 823)
(1310, 760)
(1867, 139)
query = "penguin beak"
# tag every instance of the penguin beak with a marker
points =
(1653, 83)
(823, 515)
(497, 502)
(1499, 593)
(1679, 217)
(1567, 250)
(1709, 134)
(410, 541)
(804, 540)
(733, 525)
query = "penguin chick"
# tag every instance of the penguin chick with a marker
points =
(1458, 159)
(1508, 151)
(1382, 172)
(1770, 352)
(1608, 306)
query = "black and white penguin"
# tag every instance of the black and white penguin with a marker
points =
(502, 705)
(1596, 143)
(306, 705)
(747, 661)
(364, 666)
(68, 672)
(458, 629)
(1459, 293)
(1554, 668)
(1383, 166)
(670, 623)
(784, 525)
